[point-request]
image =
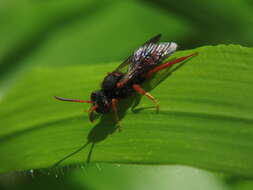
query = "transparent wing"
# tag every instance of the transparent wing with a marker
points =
(125, 63)
(149, 56)
(128, 61)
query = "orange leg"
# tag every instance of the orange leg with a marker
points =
(140, 90)
(122, 83)
(165, 65)
(115, 111)
(91, 113)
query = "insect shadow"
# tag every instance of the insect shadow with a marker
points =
(150, 85)
(104, 128)
(106, 124)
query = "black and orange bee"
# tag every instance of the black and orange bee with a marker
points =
(128, 77)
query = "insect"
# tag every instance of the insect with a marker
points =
(128, 77)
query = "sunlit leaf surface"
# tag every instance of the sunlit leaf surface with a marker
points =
(205, 118)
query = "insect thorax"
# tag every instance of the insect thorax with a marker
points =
(111, 80)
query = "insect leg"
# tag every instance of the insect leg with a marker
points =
(165, 65)
(122, 83)
(91, 113)
(140, 90)
(115, 111)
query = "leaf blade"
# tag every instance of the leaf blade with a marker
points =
(205, 119)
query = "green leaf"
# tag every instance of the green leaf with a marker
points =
(215, 22)
(205, 118)
(83, 35)
(25, 25)
(112, 176)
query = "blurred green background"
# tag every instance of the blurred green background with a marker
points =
(67, 32)
(82, 31)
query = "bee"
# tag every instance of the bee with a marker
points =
(129, 76)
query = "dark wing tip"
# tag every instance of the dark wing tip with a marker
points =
(154, 39)
(159, 35)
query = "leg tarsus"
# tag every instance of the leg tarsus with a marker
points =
(91, 113)
(140, 90)
(115, 112)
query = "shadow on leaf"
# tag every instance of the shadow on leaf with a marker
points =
(106, 125)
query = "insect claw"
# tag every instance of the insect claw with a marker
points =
(157, 108)
(119, 126)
